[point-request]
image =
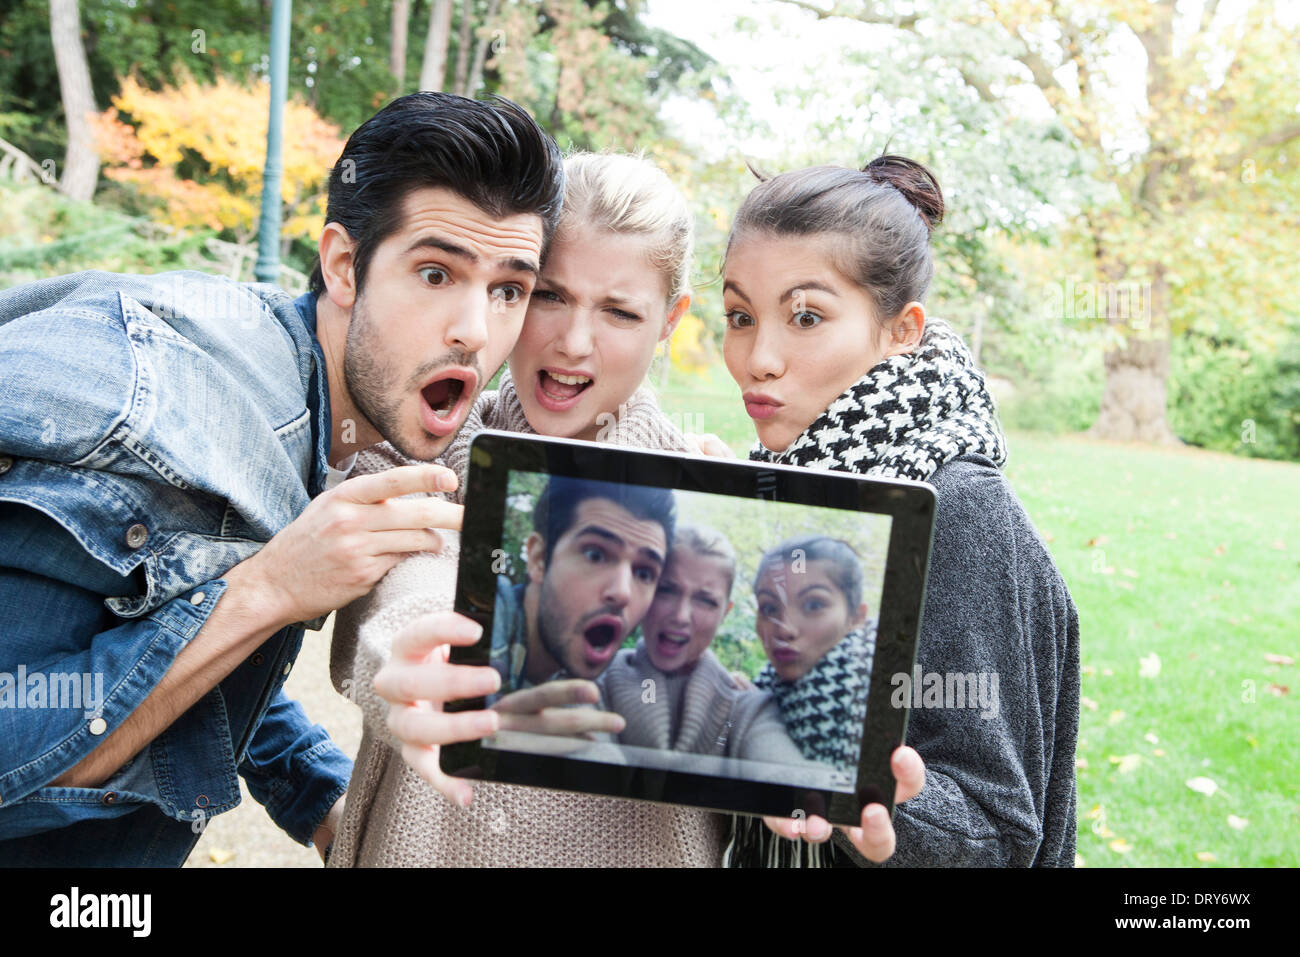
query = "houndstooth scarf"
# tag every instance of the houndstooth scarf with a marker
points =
(823, 711)
(904, 419)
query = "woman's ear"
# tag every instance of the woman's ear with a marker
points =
(336, 265)
(535, 549)
(903, 332)
(675, 316)
(861, 616)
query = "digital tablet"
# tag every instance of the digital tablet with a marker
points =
(742, 620)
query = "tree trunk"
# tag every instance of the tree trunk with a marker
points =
(1134, 400)
(397, 45)
(434, 71)
(480, 54)
(1133, 403)
(81, 162)
(462, 48)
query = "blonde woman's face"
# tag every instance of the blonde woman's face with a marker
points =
(798, 332)
(595, 317)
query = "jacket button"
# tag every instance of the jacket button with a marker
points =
(110, 797)
(135, 535)
(6, 463)
(98, 726)
(287, 668)
(197, 598)
(258, 658)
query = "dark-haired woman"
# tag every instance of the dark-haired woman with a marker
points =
(827, 336)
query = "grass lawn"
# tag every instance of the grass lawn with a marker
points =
(1185, 567)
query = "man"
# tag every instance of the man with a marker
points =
(594, 560)
(169, 449)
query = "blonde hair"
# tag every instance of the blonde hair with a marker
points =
(710, 543)
(626, 193)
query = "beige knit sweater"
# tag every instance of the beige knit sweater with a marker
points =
(393, 818)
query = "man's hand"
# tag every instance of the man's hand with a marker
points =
(875, 838)
(325, 831)
(419, 679)
(550, 709)
(349, 537)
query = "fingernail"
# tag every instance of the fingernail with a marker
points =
(464, 798)
(876, 815)
(491, 721)
(819, 830)
(447, 481)
(493, 682)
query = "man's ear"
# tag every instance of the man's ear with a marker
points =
(535, 549)
(903, 332)
(337, 266)
(675, 316)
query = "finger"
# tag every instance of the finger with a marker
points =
(909, 773)
(395, 482)
(424, 634)
(403, 682)
(423, 728)
(424, 761)
(408, 513)
(788, 827)
(567, 722)
(404, 542)
(553, 694)
(876, 839)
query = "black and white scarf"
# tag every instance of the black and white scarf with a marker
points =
(904, 419)
(823, 711)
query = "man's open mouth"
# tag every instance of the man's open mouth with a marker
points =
(601, 638)
(445, 400)
(560, 391)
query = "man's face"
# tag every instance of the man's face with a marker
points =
(444, 297)
(599, 581)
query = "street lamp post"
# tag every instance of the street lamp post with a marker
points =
(268, 230)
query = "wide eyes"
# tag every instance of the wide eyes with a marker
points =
(739, 320)
(802, 320)
(509, 294)
(434, 276)
(806, 320)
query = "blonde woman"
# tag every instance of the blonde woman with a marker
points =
(615, 284)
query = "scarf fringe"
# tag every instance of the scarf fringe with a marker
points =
(751, 843)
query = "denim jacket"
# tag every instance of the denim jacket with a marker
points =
(154, 432)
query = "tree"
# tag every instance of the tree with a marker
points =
(434, 69)
(1180, 115)
(81, 162)
(397, 44)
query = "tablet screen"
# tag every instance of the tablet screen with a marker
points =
(734, 635)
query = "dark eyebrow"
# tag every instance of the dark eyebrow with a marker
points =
(808, 588)
(610, 536)
(460, 252)
(817, 286)
(769, 593)
(732, 286)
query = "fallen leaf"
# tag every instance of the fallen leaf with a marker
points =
(1126, 762)
(1252, 741)
(1120, 846)
(1220, 549)
(1081, 763)
(1087, 703)
(1078, 860)
(1130, 573)
(1107, 672)
(1279, 545)
(1094, 813)
(1097, 541)
(1149, 667)
(1127, 586)
(1206, 857)
(1273, 659)
(1089, 670)
(1171, 535)
(1202, 785)
(1277, 690)
(1237, 823)
(1150, 738)
(1159, 752)
(218, 856)
(1115, 717)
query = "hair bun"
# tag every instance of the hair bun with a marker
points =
(913, 180)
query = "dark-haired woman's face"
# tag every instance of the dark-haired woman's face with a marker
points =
(799, 332)
(802, 614)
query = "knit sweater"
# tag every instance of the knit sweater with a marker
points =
(697, 709)
(393, 818)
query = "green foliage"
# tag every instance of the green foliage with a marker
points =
(1233, 399)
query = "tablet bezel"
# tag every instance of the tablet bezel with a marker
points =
(911, 505)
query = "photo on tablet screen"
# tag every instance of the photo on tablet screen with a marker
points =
(734, 635)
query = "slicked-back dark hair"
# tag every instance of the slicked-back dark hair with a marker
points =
(880, 215)
(844, 565)
(489, 151)
(557, 506)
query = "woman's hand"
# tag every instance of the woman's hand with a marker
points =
(709, 444)
(875, 838)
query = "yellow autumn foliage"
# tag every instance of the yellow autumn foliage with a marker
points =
(155, 139)
(690, 347)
